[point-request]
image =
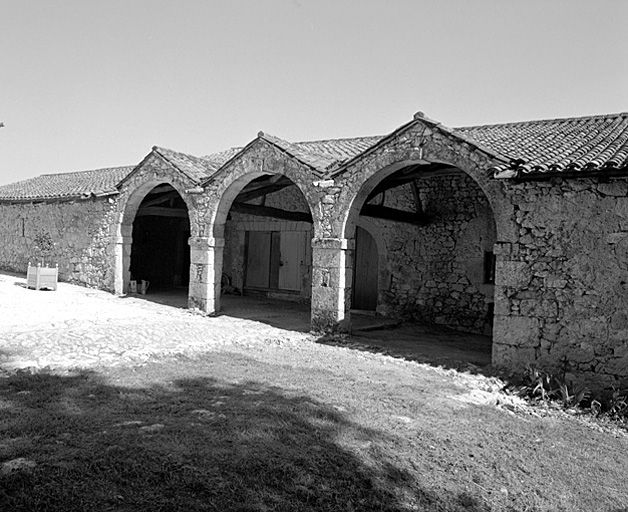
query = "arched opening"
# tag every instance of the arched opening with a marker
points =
(366, 272)
(266, 271)
(160, 254)
(439, 230)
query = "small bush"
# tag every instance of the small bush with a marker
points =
(43, 245)
(544, 387)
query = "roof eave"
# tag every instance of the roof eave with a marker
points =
(601, 174)
(56, 199)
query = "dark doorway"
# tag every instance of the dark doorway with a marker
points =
(160, 253)
(366, 272)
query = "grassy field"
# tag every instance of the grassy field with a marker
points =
(275, 428)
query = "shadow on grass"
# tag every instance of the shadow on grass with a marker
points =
(194, 444)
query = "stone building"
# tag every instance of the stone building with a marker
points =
(517, 230)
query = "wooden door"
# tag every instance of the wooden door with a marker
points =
(365, 272)
(258, 255)
(291, 256)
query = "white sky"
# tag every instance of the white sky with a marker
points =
(86, 84)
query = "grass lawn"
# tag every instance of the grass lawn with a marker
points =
(294, 428)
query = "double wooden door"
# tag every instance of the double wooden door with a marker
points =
(274, 259)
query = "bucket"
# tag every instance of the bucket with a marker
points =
(143, 287)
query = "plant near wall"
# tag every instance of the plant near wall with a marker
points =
(43, 246)
(545, 387)
(570, 398)
(618, 404)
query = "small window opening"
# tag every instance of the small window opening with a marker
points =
(489, 267)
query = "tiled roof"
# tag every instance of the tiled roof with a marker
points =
(194, 167)
(332, 152)
(320, 155)
(573, 145)
(220, 158)
(65, 186)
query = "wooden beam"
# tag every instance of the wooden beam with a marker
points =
(162, 212)
(159, 200)
(267, 211)
(417, 198)
(247, 195)
(161, 188)
(392, 214)
(397, 181)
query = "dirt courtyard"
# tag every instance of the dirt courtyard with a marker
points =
(82, 327)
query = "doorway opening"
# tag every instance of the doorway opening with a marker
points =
(267, 254)
(366, 272)
(160, 253)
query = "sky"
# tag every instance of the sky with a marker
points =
(88, 84)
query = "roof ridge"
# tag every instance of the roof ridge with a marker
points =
(550, 120)
(115, 167)
(339, 139)
(158, 148)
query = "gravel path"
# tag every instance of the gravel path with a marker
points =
(81, 327)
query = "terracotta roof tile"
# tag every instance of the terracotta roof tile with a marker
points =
(581, 144)
(319, 154)
(219, 159)
(325, 154)
(193, 167)
(65, 185)
(574, 145)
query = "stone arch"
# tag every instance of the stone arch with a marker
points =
(232, 180)
(419, 145)
(259, 160)
(355, 195)
(480, 300)
(133, 193)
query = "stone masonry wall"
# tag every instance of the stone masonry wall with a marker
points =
(562, 290)
(80, 230)
(435, 273)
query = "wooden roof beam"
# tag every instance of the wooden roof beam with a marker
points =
(267, 211)
(394, 215)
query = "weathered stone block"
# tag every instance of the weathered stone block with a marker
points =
(201, 291)
(513, 274)
(328, 258)
(512, 358)
(324, 320)
(614, 238)
(613, 188)
(619, 320)
(329, 298)
(517, 331)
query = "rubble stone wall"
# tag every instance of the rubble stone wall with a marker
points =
(562, 288)
(80, 230)
(435, 273)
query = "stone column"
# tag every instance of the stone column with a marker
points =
(205, 273)
(332, 260)
(121, 246)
